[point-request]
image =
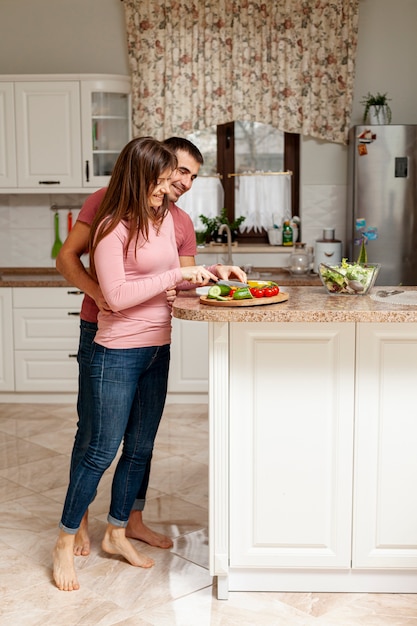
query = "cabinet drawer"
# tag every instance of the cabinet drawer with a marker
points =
(46, 370)
(54, 297)
(43, 329)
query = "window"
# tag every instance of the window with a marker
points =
(239, 146)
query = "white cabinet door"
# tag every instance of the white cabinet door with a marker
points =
(385, 514)
(48, 128)
(46, 335)
(48, 371)
(7, 137)
(106, 127)
(6, 341)
(291, 444)
(188, 372)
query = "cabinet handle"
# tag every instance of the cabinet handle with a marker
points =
(75, 293)
(72, 356)
(87, 171)
(76, 313)
(49, 182)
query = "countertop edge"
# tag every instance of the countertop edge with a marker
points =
(305, 304)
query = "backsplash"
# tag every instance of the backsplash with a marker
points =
(323, 206)
(27, 227)
(27, 222)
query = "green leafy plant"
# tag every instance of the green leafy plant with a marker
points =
(212, 224)
(223, 219)
(378, 101)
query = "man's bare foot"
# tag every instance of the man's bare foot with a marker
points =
(82, 540)
(63, 559)
(116, 542)
(136, 529)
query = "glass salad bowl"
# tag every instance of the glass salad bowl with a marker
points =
(349, 279)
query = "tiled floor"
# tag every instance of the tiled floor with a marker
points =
(35, 445)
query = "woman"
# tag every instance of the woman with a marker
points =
(134, 257)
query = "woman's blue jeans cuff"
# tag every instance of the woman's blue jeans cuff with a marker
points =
(69, 531)
(116, 522)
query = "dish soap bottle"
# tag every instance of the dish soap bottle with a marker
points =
(287, 234)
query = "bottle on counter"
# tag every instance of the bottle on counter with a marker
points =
(287, 234)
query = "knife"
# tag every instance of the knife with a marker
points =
(231, 283)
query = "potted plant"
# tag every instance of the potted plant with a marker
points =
(212, 225)
(377, 108)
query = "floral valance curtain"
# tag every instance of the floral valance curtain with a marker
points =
(288, 63)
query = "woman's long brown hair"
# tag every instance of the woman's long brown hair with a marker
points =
(135, 175)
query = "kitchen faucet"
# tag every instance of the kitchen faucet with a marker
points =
(225, 227)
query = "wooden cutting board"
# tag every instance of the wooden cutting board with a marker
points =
(281, 297)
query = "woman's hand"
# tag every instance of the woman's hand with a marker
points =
(171, 293)
(101, 302)
(226, 272)
(197, 274)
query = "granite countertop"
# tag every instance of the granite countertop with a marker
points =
(31, 277)
(305, 304)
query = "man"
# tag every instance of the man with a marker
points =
(69, 264)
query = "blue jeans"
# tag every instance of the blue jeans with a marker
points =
(85, 408)
(128, 396)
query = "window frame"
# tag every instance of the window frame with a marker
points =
(226, 166)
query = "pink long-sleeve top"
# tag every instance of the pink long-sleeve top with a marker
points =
(135, 288)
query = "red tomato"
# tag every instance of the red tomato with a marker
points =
(269, 292)
(275, 289)
(257, 292)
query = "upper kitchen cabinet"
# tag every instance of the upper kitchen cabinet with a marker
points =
(8, 176)
(48, 134)
(105, 107)
(69, 131)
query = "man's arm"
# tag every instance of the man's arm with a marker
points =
(68, 263)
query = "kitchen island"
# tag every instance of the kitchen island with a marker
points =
(313, 430)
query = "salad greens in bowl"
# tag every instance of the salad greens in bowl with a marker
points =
(349, 278)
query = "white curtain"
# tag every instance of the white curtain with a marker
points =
(206, 197)
(263, 199)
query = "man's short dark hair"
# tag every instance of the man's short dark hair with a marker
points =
(179, 143)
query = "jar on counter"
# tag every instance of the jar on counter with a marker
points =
(299, 262)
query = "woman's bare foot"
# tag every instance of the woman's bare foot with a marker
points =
(116, 542)
(82, 540)
(63, 559)
(136, 529)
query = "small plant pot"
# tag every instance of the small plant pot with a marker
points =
(378, 115)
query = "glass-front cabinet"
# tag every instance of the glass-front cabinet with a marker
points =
(106, 127)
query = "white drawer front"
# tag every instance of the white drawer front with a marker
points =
(45, 329)
(47, 371)
(43, 297)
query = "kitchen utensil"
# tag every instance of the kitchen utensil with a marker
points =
(385, 294)
(281, 297)
(57, 243)
(69, 222)
(231, 283)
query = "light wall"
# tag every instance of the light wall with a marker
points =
(88, 36)
(385, 62)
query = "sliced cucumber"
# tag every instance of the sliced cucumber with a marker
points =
(218, 290)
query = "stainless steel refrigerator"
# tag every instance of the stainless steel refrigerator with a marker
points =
(382, 200)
